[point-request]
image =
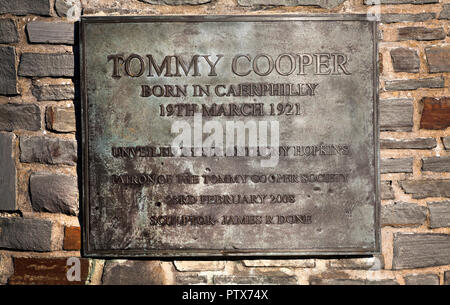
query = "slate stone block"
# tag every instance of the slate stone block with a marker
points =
(38, 64)
(54, 193)
(8, 73)
(20, 116)
(7, 172)
(420, 250)
(8, 31)
(26, 234)
(48, 150)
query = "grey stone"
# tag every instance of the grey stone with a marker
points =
(68, 8)
(60, 119)
(402, 213)
(420, 189)
(48, 150)
(393, 18)
(413, 84)
(447, 278)
(49, 92)
(24, 7)
(387, 192)
(420, 250)
(422, 279)
(38, 64)
(445, 13)
(133, 273)
(20, 116)
(438, 59)
(316, 281)
(366, 263)
(375, 2)
(51, 32)
(405, 60)
(176, 2)
(8, 31)
(446, 142)
(417, 143)
(439, 214)
(191, 279)
(8, 75)
(54, 193)
(322, 3)
(7, 172)
(396, 165)
(436, 164)
(26, 234)
(254, 280)
(396, 115)
(420, 33)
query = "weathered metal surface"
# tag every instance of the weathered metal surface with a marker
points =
(321, 197)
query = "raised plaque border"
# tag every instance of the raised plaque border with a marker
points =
(159, 253)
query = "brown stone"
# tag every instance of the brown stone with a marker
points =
(48, 271)
(438, 59)
(72, 238)
(435, 113)
(60, 119)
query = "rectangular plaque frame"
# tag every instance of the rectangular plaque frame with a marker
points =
(87, 251)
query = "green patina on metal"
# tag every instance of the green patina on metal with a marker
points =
(315, 76)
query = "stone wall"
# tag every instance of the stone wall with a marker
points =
(39, 132)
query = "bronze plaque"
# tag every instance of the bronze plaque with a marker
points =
(229, 136)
